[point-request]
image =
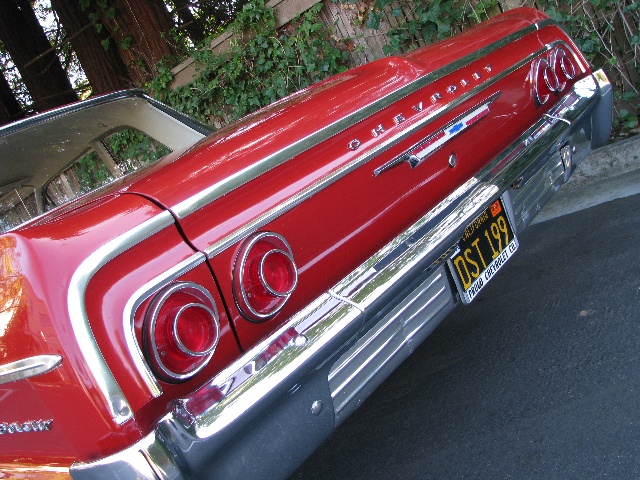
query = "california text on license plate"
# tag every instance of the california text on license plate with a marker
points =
(486, 244)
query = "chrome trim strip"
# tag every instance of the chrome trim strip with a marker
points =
(195, 202)
(105, 381)
(344, 299)
(28, 367)
(545, 23)
(324, 182)
(128, 316)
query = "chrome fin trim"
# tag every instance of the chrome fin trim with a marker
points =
(28, 367)
(117, 403)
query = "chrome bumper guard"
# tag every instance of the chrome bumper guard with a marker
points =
(288, 393)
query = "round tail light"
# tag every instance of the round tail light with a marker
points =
(562, 65)
(544, 81)
(181, 331)
(264, 276)
(551, 75)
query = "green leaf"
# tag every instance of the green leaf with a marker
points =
(373, 21)
(125, 43)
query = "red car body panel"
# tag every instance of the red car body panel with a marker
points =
(42, 259)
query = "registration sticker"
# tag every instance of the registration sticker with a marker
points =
(485, 246)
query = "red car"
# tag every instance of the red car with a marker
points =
(188, 304)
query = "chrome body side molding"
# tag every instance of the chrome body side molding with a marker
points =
(28, 367)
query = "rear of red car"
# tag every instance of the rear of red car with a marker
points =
(220, 315)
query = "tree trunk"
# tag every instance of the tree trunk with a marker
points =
(139, 28)
(41, 70)
(10, 109)
(104, 68)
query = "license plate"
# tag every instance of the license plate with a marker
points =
(485, 246)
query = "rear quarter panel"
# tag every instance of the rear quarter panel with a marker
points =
(40, 267)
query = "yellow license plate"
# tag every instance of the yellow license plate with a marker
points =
(485, 246)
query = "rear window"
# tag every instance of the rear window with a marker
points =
(118, 154)
(16, 209)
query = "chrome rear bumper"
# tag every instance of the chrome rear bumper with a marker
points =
(265, 413)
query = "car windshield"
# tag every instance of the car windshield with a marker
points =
(54, 158)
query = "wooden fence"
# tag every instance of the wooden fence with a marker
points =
(346, 20)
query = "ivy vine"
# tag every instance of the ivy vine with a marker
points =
(262, 65)
(607, 31)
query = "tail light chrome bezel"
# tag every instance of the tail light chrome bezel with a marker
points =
(544, 81)
(202, 300)
(562, 65)
(267, 244)
(550, 75)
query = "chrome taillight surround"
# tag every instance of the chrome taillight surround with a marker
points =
(562, 65)
(551, 74)
(264, 276)
(171, 306)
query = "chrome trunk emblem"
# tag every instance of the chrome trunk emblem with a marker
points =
(427, 146)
